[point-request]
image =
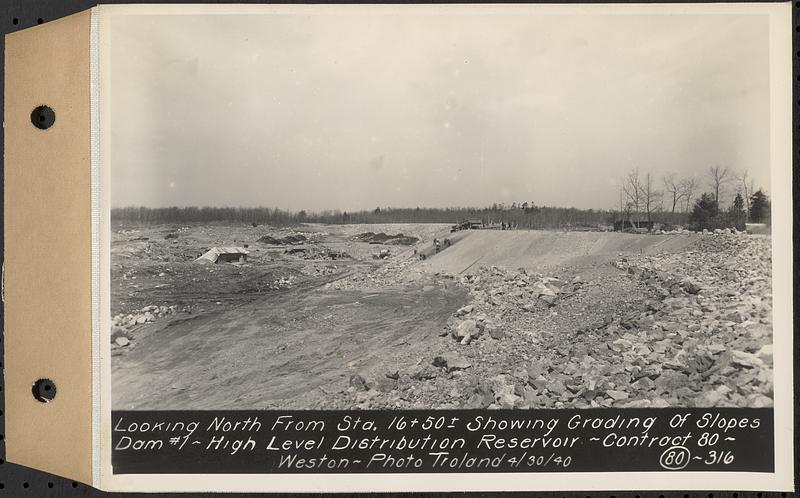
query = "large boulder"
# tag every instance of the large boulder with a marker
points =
(466, 331)
(451, 361)
(385, 384)
(117, 332)
(465, 310)
(421, 372)
(690, 286)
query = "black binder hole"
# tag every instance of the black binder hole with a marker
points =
(50, 484)
(74, 484)
(15, 21)
(44, 390)
(43, 117)
(26, 485)
(39, 21)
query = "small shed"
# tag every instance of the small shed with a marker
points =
(224, 255)
(475, 223)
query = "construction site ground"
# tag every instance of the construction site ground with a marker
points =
(498, 319)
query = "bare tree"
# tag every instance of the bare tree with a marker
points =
(689, 186)
(674, 189)
(632, 187)
(623, 212)
(719, 178)
(747, 187)
(650, 197)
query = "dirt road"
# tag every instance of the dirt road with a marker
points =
(287, 350)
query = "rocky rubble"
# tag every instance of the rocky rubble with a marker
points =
(292, 238)
(283, 282)
(692, 328)
(122, 324)
(317, 253)
(394, 271)
(316, 270)
(711, 320)
(289, 240)
(382, 238)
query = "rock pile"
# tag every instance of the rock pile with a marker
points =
(320, 270)
(710, 323)
(692, 328)
(284, 282)
(122, 324)
(392, 272)
(292, 238)
(495, 289)
(315, 252)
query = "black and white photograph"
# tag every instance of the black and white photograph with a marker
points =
(417, 210)
(382, 247)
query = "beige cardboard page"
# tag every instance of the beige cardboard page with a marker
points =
(47, 272)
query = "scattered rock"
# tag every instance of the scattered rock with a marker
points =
(421, 372)
(466, 331)
(617, 395)
(451, 362)
(466, 310)
(690, 287)
(358, 382)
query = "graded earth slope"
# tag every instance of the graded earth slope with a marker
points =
(538, 249)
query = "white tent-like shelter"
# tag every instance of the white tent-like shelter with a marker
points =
(224, 255)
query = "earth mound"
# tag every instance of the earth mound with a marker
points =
(382, 238)
(289, 240)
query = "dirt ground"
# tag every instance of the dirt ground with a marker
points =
(267, 332)
(515, 319)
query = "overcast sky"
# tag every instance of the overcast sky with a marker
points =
(349, 112)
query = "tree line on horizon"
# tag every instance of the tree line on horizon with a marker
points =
(668, 200)
(522, 215)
